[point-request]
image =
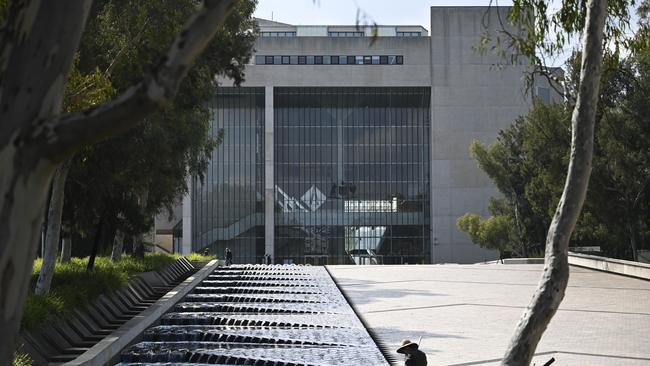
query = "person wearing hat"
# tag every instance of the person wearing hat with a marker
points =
(413, 356)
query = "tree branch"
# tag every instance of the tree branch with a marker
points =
(642, 190)
(155, 90)
(105, 75)
(552, 286)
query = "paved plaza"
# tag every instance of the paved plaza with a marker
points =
(466, 314)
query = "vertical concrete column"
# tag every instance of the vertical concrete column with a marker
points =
(269, 181)
(432, 120)
(186, 242)
(432, 172)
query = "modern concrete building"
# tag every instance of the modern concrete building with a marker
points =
(344, 147)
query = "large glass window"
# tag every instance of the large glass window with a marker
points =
(278, 34)
(228, 202)
(409, 34)
(351, 175)
(346, 34)
(328, 60)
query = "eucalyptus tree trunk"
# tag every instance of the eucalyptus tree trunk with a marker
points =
(100, 231)
(37, 46)
(66, 248)
(138, 240)
(53, 234)
(632, 233)
(38, 41)
(118, 244)
(551, 288)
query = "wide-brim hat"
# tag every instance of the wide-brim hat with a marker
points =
(406, 344)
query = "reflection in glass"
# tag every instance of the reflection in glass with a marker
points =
(351, 175)
(228, 203)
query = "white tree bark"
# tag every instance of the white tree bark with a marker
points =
(138, 240)
(53, 231)
(37, 44)
(66, 248)
(118, 244)
(555, 278)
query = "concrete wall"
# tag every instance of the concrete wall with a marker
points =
(470, 100)
(163, 221)
(414, 72)
(618, 266)
(311, 31)
(165, 241)
(163, 225)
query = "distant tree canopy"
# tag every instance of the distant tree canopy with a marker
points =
(528, 165)
(128, 179)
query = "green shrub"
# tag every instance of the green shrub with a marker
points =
(73, 287)
(22, 359)
(196, 257)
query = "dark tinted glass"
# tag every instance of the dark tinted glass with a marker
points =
(268, 60)
(348, 190)
(228, 204)
(318, 60)
(334, 60)
(302, 60)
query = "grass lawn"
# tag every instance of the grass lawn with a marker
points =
(73, 287)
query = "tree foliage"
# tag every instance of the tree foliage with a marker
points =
(128, 179)
(528, 163)
(547, 29)
(539, 34)
(38, 43)
(494, 232)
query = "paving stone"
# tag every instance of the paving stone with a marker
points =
(466, 314)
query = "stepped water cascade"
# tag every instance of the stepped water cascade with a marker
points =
(267, 315)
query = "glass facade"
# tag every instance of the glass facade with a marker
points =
(228, 203)
(409, 34)
(278, 34)
(329, 60)
(346, 34)
(351, 175)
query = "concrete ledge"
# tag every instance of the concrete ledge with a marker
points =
(516, 261)
(618, 266)
(110, 347)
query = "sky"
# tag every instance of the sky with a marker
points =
(382, 12)
(389, 12)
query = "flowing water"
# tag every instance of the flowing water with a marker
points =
(259, 315)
